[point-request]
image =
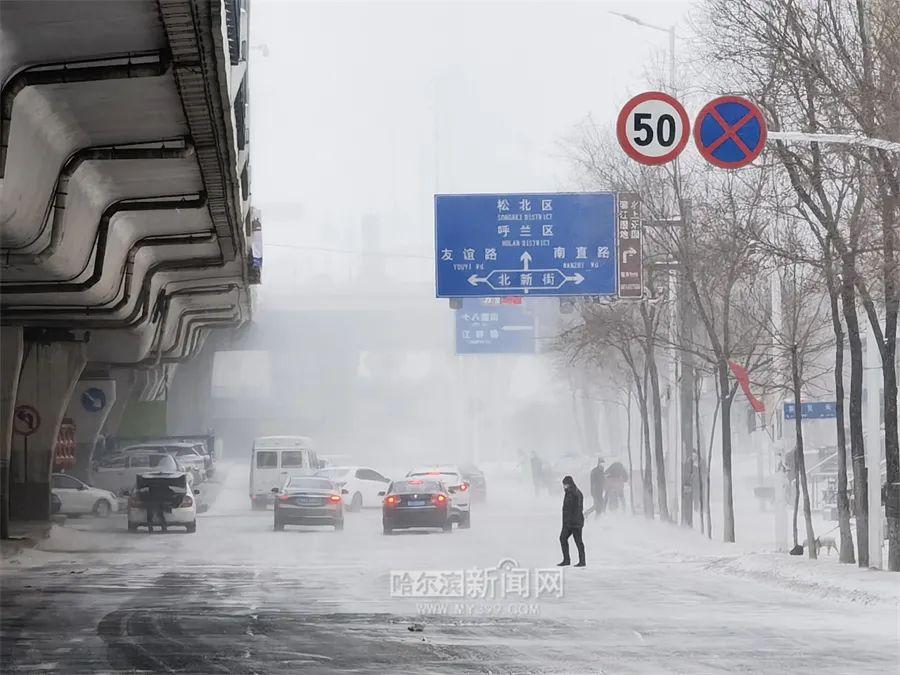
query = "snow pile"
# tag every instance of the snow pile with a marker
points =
(823, 578)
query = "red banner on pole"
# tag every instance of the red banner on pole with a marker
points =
(743, 377)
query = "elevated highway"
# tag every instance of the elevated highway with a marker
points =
(125, 212)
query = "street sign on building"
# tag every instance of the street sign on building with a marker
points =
(813, 410)
(492, 326)
(26, 420)
(730, 132)
(498, 245)
(653, 128)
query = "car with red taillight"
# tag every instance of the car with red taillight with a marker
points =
(416, 502)
(308, 500)
(458, 489)
(172, 491)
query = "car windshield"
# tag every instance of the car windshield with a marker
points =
(163, 463)
(452, 475)
(416, 486)
(309, 484)
(333, 472)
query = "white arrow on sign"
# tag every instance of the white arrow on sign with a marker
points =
(475, 279)
(628, 252)
(577, 278)
(526, 258)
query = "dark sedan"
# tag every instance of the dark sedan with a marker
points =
(477, 484)
(416, 503)
(308, 501)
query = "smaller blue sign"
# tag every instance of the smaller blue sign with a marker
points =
(93, 399)
(814, 410)
(730, 132)
(489, 326)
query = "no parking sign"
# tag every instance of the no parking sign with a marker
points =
(730, 132)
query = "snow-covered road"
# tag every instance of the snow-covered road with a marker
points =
(237, 597)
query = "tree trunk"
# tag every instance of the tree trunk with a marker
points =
(799, 457)
(892, 456)
(628, 448)
(843, 502)
(698, 434)
(709, 451)
(661, 496)
(857, 445)
(727, 492)
(796, 501)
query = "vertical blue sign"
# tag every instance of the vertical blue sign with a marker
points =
(502, 245)
(489, 326)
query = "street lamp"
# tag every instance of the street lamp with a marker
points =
(670, 30)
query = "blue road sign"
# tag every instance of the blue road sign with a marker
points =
(93, 399)
(730, 132)
(814, 410)
(485, 326)
(525, 244)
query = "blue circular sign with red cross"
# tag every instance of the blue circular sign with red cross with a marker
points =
(730, 132)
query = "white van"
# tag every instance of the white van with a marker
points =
(275, 459)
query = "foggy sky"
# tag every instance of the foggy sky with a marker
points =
(353, 98)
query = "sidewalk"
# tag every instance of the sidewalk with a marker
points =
(824, 578)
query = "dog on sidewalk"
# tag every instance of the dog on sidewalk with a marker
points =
(821, 542)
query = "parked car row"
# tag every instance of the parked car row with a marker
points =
(117, 472)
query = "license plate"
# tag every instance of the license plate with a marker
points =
(415, 503)
(307, 500)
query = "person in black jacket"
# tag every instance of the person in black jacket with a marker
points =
(572, 522)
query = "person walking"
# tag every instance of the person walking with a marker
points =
(572, 522)
(616, 477)
(598, 480)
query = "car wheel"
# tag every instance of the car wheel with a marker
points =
(338, 526)
(191, 527)
(279, 526)
(132, 527)
(465, 521)
(102, 508)
(388, 529)
(448, 526)
(356, 502)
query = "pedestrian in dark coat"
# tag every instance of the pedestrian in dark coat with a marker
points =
(572, 522)
(598, 488)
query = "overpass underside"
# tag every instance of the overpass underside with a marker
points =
(125, 217)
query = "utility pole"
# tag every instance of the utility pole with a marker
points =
(686, 383)
(874, 455)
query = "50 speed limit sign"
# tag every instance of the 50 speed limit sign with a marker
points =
(653, 128)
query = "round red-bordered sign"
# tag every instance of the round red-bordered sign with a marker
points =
(26, 420)
(730, 132)
(653, 128)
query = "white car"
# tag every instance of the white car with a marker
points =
(185, 454)
(452, 477)
(76, 497)
(118, 472)
(175, 491)
(359, 485)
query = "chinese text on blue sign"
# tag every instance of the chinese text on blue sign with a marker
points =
(490, 326)
(814, 410)
(525, 244)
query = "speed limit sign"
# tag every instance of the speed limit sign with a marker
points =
(653, 128)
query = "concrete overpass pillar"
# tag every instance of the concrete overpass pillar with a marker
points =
(11, 351)
(88, 408)
(49, 373)
(126, 392)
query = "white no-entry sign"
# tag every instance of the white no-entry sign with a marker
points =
(653, 128)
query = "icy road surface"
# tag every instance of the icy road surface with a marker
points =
(237, 597)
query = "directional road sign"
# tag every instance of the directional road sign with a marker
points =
(653, 128)
(93, 399)
(730, 132)
(26, 420)
(488, 326)
(525, 244)
(813, 410)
